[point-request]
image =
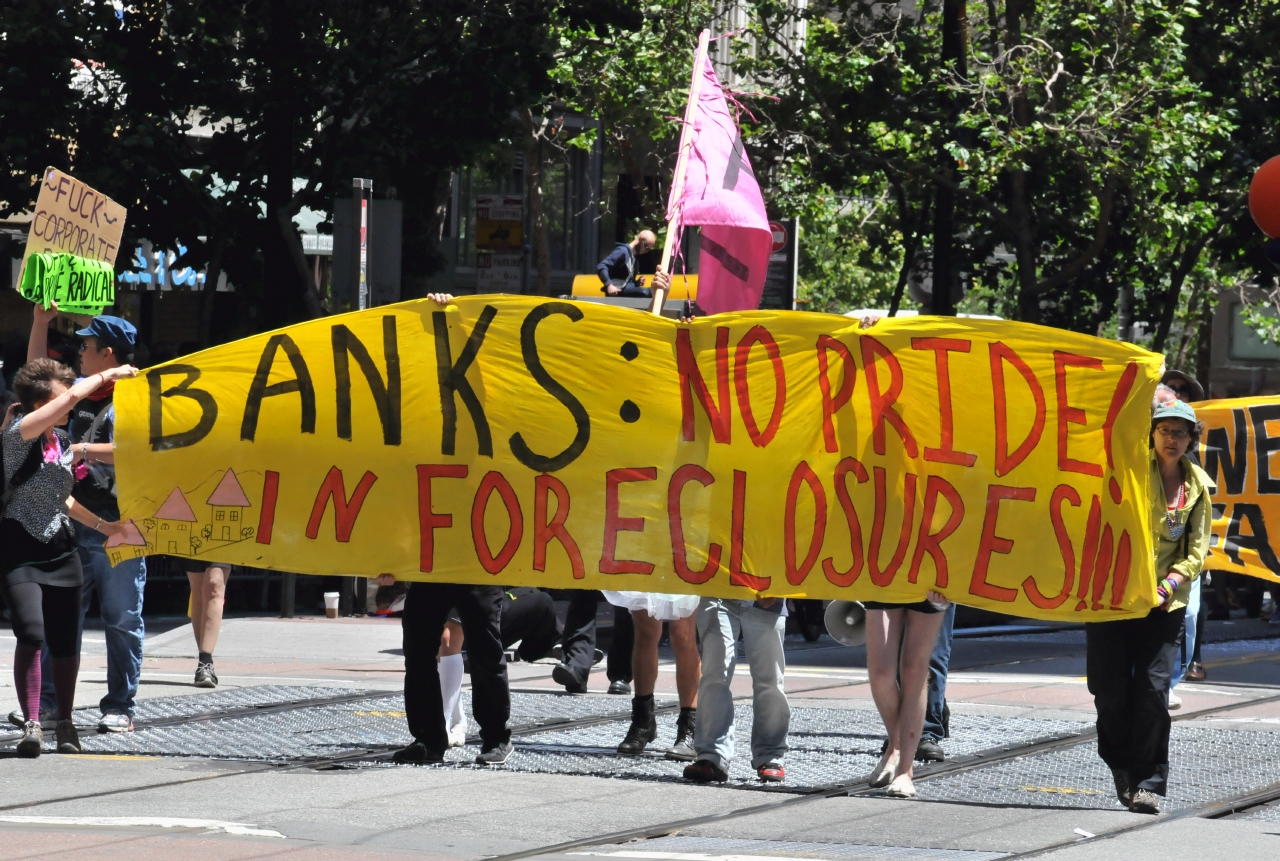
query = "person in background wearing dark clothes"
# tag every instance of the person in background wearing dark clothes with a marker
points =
(618, 270)
(1131, 661)
(579, 645)
(937, 717)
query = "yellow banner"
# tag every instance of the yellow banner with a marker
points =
(522, 441)
(1237, 449)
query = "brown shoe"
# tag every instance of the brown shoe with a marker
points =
(1144, 801)
(67, 737)
(1196, 673)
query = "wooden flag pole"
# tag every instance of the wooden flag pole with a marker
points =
(682, 165)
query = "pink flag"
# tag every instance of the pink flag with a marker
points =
(722, 197)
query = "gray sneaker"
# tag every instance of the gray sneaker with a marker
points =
(205, 676)
(68, 738)
(32, 740)
(1144, 801)
(114, 721)
(48, 720)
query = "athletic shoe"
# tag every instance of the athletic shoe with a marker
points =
(901, 787)
(682, 750)
(704, 771)
(562, 674)
(205, 676)
(1124, 793)
(1144, 802)
(771, 772)
(928, 750)
(496, 754)
(620, 687)
(48, 720)
(885, 770)
(32, 740)
(417, 754)
(458, 736)
(67, 737)
(1196, 673)
(1175, 701)
(113, 721)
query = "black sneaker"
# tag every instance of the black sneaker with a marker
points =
(563, 675)
(32, 740)
(928, 750)
(495, 755)
(67, 738)
(205, 676)
(620, 687)
(417, 754)
(1144, 801)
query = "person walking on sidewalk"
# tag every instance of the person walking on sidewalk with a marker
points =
(107, 344)
(763, 626)
(40, 568)
(1130, 661)
(208, 594)
(579, 646)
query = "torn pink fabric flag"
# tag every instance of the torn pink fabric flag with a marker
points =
(722, 197)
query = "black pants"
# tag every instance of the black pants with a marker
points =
(579, 644)
(529, 618)
(45, 616)
(1130, 663)
(426, 608)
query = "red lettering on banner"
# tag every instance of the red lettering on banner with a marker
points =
(1089, 557)
(267, 516)
(679, 553)
(1061, 493)
(1005, 462)
(1102, 569)
(692, 382)
(1069, 414)
(759, 335)
(945, 453)
(1120, 579)
(831, 405)
(803, 474)
(846, 577)
(613, 523)
(1118, 398)
(882, 400)
(494, 480)
(345, 511)
(992, 543)
(738, 577)
(885, 577)
(931, 543)
(544, 530)
(428, 520)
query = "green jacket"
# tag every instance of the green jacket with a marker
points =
(1187, 553)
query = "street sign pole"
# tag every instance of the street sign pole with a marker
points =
(353, 596)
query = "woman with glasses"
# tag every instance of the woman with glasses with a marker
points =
(1131, 661)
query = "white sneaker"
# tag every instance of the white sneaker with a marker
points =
(1175, 702)
(458, 735)
(115, 722)
(883, 773)
(48, 720)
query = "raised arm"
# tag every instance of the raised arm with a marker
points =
(40, 420)
(38, 340)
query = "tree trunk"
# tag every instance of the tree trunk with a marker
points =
(281, 289)
(537, 212)
(945, 270)
(1020, 212)
(1186, 262)
(1204, 356)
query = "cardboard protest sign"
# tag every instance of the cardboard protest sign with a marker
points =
(72, 218)
(1237, 449)
(526, 441)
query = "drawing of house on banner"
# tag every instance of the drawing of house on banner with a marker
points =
(175, 522)
(228, 502)
(126, 545)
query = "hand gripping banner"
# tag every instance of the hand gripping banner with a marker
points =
(522, 441)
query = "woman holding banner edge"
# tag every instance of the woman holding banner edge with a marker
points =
(1131, 661)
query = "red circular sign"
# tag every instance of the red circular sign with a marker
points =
(779, 236)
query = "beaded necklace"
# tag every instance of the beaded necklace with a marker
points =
(1171, 515)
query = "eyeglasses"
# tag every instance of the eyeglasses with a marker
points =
(1173, 433)
(1179, 390)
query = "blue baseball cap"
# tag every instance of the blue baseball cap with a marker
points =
(114, 332)
(1174, 410)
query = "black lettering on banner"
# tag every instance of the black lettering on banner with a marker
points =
(529, 349)
(260, 391)
(160, 441)
(1219, 510)
(386, 396)
(1219, 450)
(1257, 541)
(453, 380)
(1263, 445)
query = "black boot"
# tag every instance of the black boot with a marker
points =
(643, 729)
(686, 724)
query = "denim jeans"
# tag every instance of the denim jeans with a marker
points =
(719, 622)
(1188, 641)
(939, 663)
(120, 598)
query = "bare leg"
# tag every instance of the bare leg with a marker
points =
(684, 642)
(644, 654)
(917, 645)
(197, 579)
(209, 610)
(450, 640)
(884, 634)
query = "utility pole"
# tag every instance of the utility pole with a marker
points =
(954, 52)
(353, 594)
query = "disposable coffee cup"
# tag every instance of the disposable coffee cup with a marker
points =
(331, 604)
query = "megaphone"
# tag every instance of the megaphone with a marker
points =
(846, 622)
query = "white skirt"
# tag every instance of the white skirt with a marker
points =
(666, 608)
